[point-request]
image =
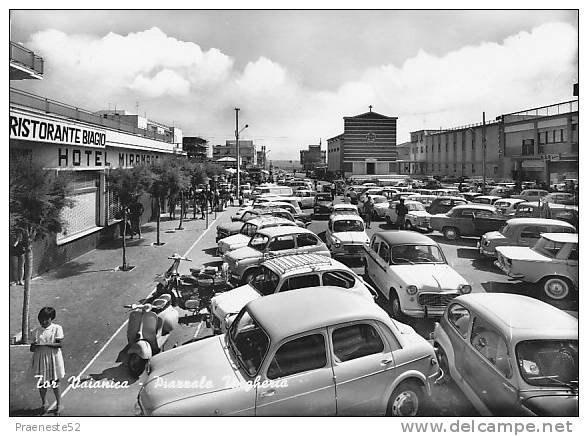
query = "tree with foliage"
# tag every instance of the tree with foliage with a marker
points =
(37, 197)
(129, 184)
(159, 190)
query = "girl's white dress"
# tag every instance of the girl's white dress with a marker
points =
(48, 361)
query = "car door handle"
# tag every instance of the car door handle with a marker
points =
(269, 393)
(508, 386)
(386, 361)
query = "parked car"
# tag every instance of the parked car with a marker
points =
(344, 208)
(510, 354)
(346, 236)
(322, 204)
(552, 263)
(486, 199)
(531, 194)
(521, 232)
(468, 220)
(353, 193)
(243, 263)
(411, 271)
(283, 274)
(502, 191)
(470, 196)
(561, 198)
(296, 211)
(534, 209)
(507, 206)
(306, 198)
(248, 229)
(391, 216)
(379, 207)
(418, 218)
(313, 351)
(234, 227)
(445, 204)
(426, 200)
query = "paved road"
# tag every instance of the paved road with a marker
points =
(462, 255)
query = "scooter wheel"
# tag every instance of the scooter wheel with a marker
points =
(136, 365)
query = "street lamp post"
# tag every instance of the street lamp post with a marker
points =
(237, 132)
(483, 152)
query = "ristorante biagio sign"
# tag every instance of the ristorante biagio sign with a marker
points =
(31, 128)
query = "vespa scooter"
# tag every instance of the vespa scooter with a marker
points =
(149, 328)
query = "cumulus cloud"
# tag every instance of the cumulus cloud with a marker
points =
(177, 81)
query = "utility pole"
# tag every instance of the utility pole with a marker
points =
(237, 148)
(483, 153)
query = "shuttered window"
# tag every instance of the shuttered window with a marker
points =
(83, 214)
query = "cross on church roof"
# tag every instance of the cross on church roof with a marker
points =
(370, 106)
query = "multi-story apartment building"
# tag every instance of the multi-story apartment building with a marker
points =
(247, 152)
(313, 157)
(197, 148)
(541, 143)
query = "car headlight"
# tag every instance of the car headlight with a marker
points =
(411, 289)
(465, 289)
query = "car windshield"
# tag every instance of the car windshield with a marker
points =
(348, 226)
(549, 362)
(248, 229)
(266, 281)
(413, 253)
(258, 241)
(248, 342)
(323, 197)
(415, 206)
(548, 248)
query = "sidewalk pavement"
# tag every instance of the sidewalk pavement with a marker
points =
(88, 295)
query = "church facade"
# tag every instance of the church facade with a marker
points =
(367, 146)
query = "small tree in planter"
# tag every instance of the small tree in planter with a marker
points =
(129, 184)
(37, 197)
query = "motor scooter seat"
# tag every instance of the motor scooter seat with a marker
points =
(160, 303)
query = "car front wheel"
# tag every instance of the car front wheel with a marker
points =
(407, 400)
(450, 233)
(395, 308)
(556, 288)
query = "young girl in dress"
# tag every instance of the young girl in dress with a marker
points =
(47, 366)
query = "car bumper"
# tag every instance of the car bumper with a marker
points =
(485, 251)
(508, 272)
(423, 227)
(350, 251)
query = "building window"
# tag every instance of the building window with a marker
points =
(348, 167)
(473, 168)
(446, 148)
(391, 168)
(439, 147)
(528, 148)
(473, 140)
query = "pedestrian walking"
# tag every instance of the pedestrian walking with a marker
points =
(17, 257)
(203, 204)
(232, 198)
(401, 212)
(136, 210)
(47, 365)
(171, 205)
(368, 209)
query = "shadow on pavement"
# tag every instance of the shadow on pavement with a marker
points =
(531, 290)
(115, 374)
(468, 253)
(485, 264)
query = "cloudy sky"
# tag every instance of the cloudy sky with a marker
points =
(296, 74)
